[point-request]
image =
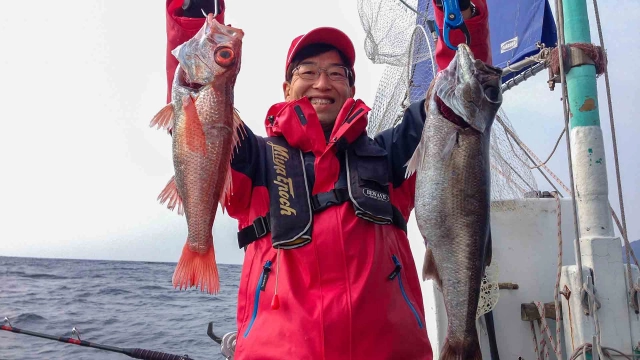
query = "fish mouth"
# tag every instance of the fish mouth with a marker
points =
(467, 61)
(184, 81)
(489, 76)
(227, 30)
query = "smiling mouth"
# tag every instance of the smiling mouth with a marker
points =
(321, 101)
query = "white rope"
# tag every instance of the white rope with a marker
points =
(556, 294)
(555, 147)
(545, 330)
(535, 340)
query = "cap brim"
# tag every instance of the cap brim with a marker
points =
(327, 35)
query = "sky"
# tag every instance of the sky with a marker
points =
(82, 169)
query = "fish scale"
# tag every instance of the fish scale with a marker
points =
(452, 197)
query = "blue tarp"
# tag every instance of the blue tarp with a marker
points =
(516, 27)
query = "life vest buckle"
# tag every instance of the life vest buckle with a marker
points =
(261, 226)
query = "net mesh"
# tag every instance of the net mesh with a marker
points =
(489, 290)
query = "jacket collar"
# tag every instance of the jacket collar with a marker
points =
(298, 123)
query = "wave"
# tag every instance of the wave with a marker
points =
(152, 287)
(113, 291)
(26, 318)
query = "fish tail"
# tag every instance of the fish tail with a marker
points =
(466, 349)
(196, 269)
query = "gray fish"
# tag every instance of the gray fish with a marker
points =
(452, 198)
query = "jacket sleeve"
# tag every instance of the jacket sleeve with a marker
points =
(478, 27)
(246, 171)
(401, 141)
(179, 30)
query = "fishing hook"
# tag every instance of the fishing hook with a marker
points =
(215, 9)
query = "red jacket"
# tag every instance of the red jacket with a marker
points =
(337, 300)
(352, 292)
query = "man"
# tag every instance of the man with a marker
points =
(328, 272)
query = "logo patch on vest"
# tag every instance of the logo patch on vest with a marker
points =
(375, 194)
(284, 183)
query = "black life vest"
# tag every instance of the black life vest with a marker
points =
(364, 181)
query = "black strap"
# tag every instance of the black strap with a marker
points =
(319, 202)
(253, 232)
(322, 201)
(398, 219)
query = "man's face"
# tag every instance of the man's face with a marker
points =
(327, 96)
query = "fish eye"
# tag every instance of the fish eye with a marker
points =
(492, 93)
(224, 56)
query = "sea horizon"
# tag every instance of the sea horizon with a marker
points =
(120, 303)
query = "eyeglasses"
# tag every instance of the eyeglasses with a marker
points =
(312, 72)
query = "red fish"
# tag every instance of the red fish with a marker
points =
(204, 128)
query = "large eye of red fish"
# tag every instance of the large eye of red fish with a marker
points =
(224, 56)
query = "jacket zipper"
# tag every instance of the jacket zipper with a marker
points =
(396, 274)
(262, 285)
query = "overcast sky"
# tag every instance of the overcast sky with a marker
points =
(82, 169)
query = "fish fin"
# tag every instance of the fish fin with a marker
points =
(226, 192)
(466, 349)
(196, 269)
(429, 269)
(415, 161)
(239, 132)
(164, 118)
(196, 140)
(451, 143)
(170, 194)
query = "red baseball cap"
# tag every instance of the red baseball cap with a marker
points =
(325, 35)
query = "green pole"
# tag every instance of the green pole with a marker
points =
(587, 144)
(581, 80)
(599, 250)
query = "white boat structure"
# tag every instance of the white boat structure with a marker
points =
(525, 240)
(558, 285)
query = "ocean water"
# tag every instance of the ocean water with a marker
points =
(118, 303)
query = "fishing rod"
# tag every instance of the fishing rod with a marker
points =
(131, 352)
(227, 342)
